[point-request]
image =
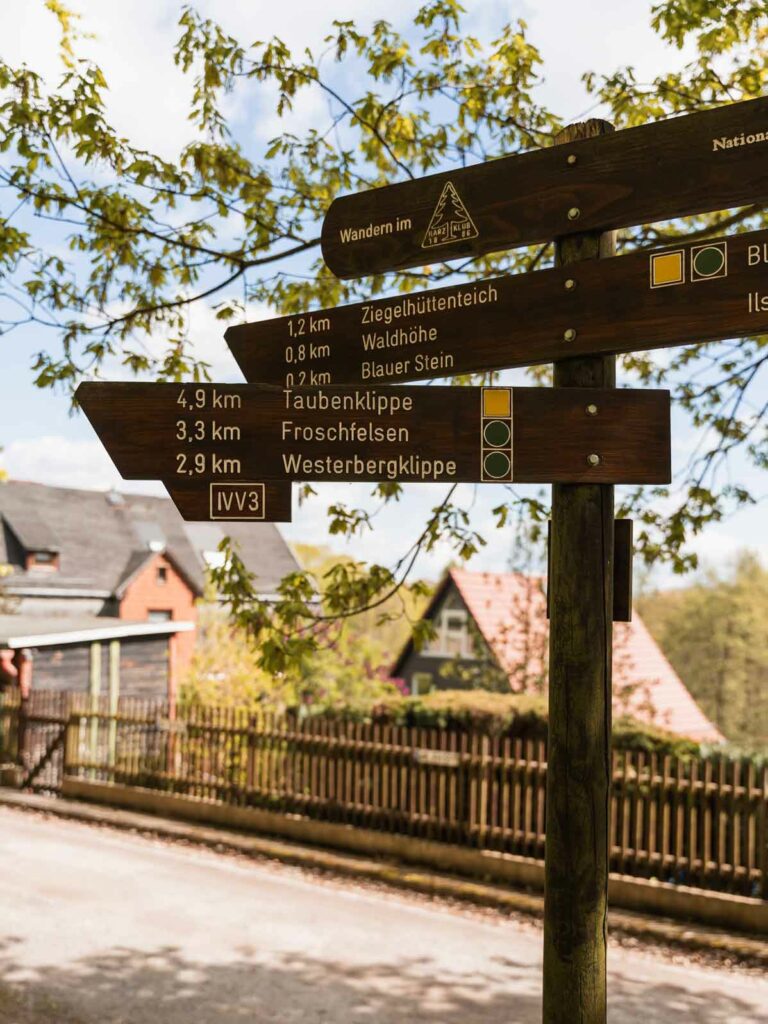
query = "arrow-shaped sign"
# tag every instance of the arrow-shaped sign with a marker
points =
(713, 160)
(213, 435)
(688, 292)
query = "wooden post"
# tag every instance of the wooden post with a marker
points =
(23, 662)
(94, 690)
(578, 773)
(114, 701)
(762, 833)
(72, 745)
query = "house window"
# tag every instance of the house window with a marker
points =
(162, 575)
(159, 615)
(421, 683)
(48, 560)
(452, 637)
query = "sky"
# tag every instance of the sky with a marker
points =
(149, 99)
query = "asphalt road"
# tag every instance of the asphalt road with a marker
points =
(99, 926)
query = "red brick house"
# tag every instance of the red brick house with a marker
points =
(89, 569)
(493, 626)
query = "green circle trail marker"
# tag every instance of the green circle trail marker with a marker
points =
(497, 465)
(496, 434)
(709, 261)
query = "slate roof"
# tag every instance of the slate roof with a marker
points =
(510, 612)
(103, 538)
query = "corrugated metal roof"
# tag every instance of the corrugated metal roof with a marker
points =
(55, 630)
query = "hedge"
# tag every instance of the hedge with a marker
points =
(500, 714)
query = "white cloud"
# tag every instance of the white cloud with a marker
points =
(149, 96)
(602, 37)
(63, 462)
(206, 337)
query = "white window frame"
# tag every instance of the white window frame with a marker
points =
(438, 647)
(416, 689)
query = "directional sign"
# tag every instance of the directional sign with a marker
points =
(687, 292)
(225, 435)
(713, 160)
(209, 500)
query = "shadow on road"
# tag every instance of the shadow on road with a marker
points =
(128, 986)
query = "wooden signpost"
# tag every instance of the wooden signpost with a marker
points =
(686, 292)
(229, 452)
(713, 160)
(222, 438)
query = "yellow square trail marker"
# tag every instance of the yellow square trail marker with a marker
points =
(497, 402)
(667, 268)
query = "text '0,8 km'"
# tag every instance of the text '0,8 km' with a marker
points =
(712, 160)
(206, 434)
(687, 292)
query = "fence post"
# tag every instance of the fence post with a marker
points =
(250, 770)
(94, 689)
(71, 744)
(22, 717)
(762, 833)
(484, 769)
(114, 697)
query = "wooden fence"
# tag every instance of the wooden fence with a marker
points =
(701, 822)
(32, 733)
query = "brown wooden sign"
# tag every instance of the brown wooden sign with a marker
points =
(713, 160)
(232, 435)
(686, 292)
(211, 500)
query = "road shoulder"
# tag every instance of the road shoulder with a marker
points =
(625, 927)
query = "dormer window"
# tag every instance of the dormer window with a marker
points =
(38, 543)
(47, 560)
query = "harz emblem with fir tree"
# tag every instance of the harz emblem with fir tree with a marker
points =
(450, 221)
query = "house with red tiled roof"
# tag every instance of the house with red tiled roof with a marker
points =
(491, 630)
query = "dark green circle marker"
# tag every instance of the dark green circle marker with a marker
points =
(496, 433)
(709, 261)
(496, 465)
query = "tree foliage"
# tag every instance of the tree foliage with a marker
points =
(108, 248)
(348, 663)
(715, 634)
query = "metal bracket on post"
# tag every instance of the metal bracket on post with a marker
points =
(623, 553)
